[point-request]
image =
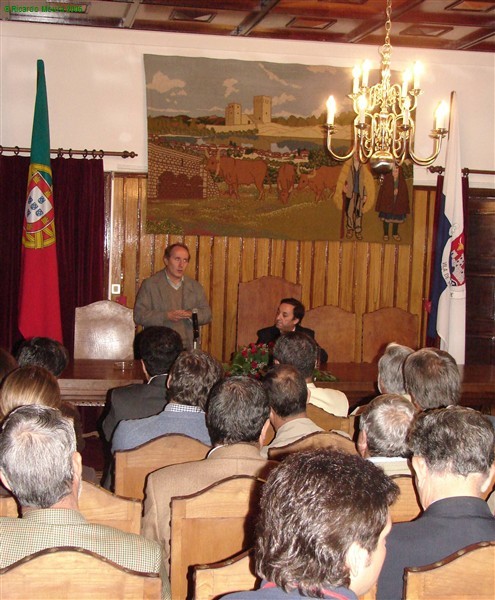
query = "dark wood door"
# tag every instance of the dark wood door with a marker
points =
(480, 278)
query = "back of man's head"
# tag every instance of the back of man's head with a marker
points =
(386, 421)
(391, 369)
(287, 391)
(158, 349)
(432, 378)
(192, 376)
(314, 507)
(37, 444)
(453, 441)
(44, 352)
(237, 411)
(297, 349)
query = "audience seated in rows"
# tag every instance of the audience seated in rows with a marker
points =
(391, 369)
(157, 347)
(236, 415)
(323, 527)
(453, 454)
(287, 396)
(383, 428)
(432, 378)
(301, 351)
(40, 465)
(290, 314)
(191, 378)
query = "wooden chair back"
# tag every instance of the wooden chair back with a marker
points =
(330, 422)
(211, 525)
(335, 330)
(97, 505)
(388, 325)
(261, 297)
(74, 573)
(132, 466)
(407, 506)
(104, 329)
(313, 441)
(227, 576)
(466, 574)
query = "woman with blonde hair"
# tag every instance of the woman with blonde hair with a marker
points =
(29, 385)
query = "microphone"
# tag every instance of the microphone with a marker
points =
(195, 325)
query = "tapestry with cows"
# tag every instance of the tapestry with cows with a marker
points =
(238, 148)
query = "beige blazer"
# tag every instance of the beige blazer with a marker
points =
(188, 478)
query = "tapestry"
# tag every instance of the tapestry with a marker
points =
(238, 148)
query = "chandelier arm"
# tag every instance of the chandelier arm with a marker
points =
(426, 162)
(337, 156)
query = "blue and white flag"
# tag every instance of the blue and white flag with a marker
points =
(449, 285)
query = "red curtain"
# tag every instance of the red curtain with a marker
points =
(78, 187)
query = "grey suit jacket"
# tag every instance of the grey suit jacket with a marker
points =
(188, 478)
(153, 301)
(135, 401)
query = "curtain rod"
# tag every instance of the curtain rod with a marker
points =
(61, 151)
(464, 171)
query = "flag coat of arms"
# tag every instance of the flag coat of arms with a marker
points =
(449, 284)
(39, 302)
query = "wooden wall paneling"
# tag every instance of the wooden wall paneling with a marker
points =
(346, 279)
(118, 225)
(248, 252)
(203, 275)
(217, 298)
(262, 258)
(277, 258)
(191, 241)
(161, 242)
(231, 293)
(363, 267)
(291, 260)
(375, 277)
(333, 273)
(319, 284)
(419, 253)
(131, 239)
(403, 277)
(430, 219)
(389, 282)
(305, 272)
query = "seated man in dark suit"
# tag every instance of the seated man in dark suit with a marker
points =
(290, 313)
(453, 452)
(158, 348)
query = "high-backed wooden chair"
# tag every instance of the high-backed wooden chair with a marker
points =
(227, 576)
(104, 329)
(313, 441)
(407, 506)
(132, 466)
(335, 330)
(98, 506)
(211, 525)
(387, 325)
(74, 573)
(330, 422)
(257, 304)
(466, 574)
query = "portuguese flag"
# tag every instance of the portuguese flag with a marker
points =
(39, 303)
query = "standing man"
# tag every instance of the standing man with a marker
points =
(172, 299)
(290, 313)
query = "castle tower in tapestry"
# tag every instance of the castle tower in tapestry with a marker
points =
(262, 109)
(233, 114)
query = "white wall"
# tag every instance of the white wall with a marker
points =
(96, 93)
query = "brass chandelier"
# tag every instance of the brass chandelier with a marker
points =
(384, 126)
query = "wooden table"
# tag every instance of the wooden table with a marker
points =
(86, 382)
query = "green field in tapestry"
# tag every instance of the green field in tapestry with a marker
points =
(301, 218)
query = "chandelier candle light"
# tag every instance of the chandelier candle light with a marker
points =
(384, 125)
